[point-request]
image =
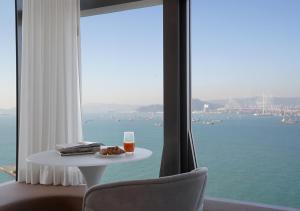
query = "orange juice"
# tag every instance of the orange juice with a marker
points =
(129, 146)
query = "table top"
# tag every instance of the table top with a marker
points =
(52, 158)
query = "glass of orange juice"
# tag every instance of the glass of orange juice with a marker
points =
(128, 142)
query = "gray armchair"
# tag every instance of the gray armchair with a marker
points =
(183, 192)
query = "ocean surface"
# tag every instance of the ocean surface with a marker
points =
(249, 158)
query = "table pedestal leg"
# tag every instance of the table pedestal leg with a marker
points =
(92, 174)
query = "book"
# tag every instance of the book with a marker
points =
(78, 148)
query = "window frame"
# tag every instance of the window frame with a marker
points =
(18, 43)
(178, 150)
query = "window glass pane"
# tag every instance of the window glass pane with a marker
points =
(122, 85)
(246, 90)
(7, 91)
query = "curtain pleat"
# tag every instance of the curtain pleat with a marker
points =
(50, 105)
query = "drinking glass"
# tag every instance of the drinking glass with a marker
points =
(128, 142)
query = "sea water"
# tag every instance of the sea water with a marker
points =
(7, 143)
(249, 158)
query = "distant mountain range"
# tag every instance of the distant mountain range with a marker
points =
(103, 107)
(255, 101)
(287, 101)
(10, 111)
(197, 105)
(151, 108)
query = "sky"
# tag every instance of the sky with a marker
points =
(122, 57)
(245, 48)
(240, 48)
(7, 55)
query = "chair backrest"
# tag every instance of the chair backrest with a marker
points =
(182, 192)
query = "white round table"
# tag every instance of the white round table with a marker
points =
(91, 166)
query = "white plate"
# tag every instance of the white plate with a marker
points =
(98, 154)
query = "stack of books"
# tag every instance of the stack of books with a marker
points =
(80, 148)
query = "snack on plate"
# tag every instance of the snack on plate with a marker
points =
(112, 151)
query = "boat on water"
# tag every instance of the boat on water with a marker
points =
(262, 114)
(88, 120)
(212, 122)
(195, 120)
(158, 124)
(289, 121)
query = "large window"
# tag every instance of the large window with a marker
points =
(246, 99)
(122, 84)
(7, 91)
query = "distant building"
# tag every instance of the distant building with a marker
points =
(205, 107)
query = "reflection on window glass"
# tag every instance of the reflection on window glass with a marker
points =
(122, 85)
(7, 91)
(246, 99)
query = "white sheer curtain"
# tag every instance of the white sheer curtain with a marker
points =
(50, 109)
